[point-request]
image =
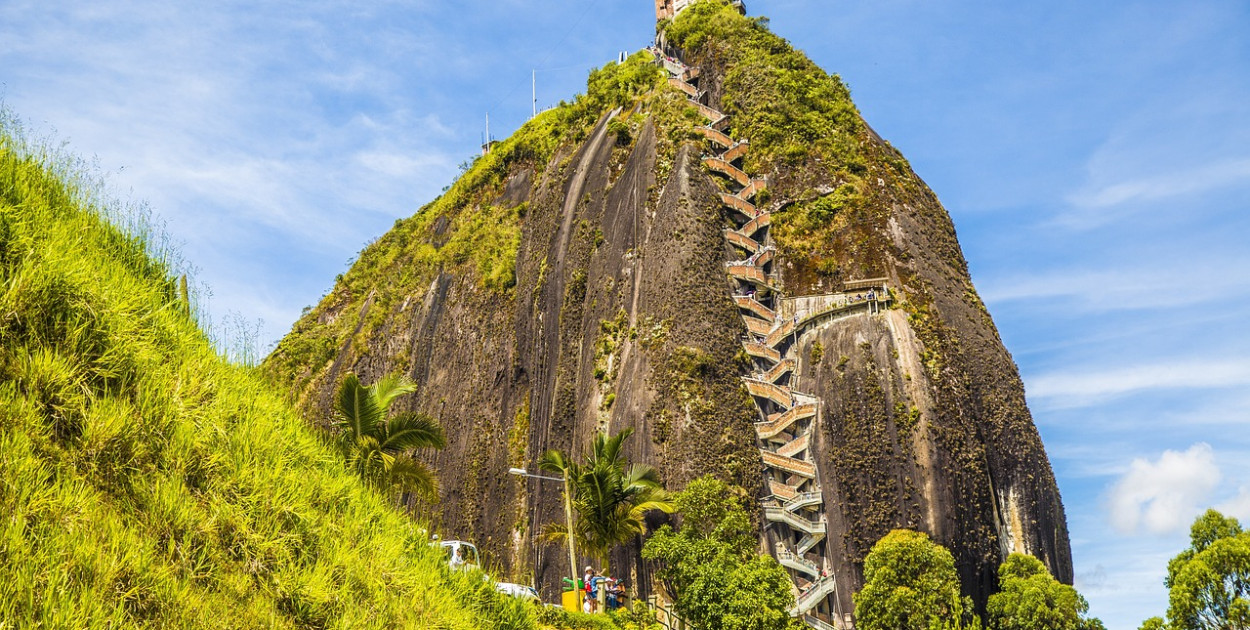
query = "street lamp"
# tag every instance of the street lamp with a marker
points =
(568, 513)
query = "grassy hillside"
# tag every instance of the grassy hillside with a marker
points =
(147, 482)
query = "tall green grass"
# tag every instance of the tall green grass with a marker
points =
(148, 482)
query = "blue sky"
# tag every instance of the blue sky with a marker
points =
(1094, 155)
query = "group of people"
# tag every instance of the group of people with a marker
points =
(613, 591)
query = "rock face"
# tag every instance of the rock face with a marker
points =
(621, 312)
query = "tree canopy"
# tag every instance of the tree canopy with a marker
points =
(710, 565)
(1209, 583)
(910, 583)
(1032, 599)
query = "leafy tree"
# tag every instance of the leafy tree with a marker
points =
(1032, 599)
(379, 446)
(610, 497)
(1210, 582)
(910, 584)
(710, 565)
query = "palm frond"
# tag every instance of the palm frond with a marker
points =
(555, 461)
(410, 475)
(643, 475)
(358, 411)
(411, 430)
(390, 387)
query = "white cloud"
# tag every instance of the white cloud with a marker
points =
(1159, 186)
(1238, 506)
(1164, 495)
(1075, 389)
(1123, 288)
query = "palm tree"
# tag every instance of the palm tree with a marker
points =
(610, 497)
(379, 445)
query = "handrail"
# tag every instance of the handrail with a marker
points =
(735, 202)
(749, 303)
(785, 555)
(776, 393)
(669, 617)
(684, 87)
(817, 624)
(753, 188)
(851, 285)
(729, 170)
(796, 446)
(770, 428)
(754, 225)
(808, 541)
(777, 514)
(789, 464)
(716, 135)
(802, 500)
(736, 151)
(819, 590)
(757, 349)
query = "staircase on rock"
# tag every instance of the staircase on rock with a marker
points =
(794, 506)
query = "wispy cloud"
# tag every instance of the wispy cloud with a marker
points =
(1162, 496)
(264, 136)
(1080, 388)
(1165, 185)
(1150, 284)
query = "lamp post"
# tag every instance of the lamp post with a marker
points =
(568, 513)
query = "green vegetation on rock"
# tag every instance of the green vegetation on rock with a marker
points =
(472, 229)
(711, 567)
(804, 131)
(146, 482)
